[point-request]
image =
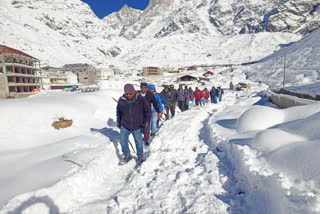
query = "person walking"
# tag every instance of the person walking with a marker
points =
(151, 101)
(155, 117)
(165, 101)
(220, 92)
(198, 96)
(187, 97)
(206, 95)
(133, 113)
(191, 96)
(181, 97)
(172, 101)
(213, 95)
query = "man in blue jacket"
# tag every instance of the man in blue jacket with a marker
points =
(155, 118)
(133, 113)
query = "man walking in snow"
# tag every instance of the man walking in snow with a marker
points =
(220, 92)
(213, 95)
(165, 100)
(198, 95)
(133, 113)
(181, 97)
(172, 100)
(191, 98)
(151, 101)
(187, 97)
(154, 118)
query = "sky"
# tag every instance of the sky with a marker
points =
(103, 8)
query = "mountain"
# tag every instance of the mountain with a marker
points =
(168, 33)
(301, 60)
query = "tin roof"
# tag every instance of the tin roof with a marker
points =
(7, 50)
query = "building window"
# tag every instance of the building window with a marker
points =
(1, 71)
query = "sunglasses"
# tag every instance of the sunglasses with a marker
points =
(144, 87)
(130, 94)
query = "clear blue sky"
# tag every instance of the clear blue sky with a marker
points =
(103, 8)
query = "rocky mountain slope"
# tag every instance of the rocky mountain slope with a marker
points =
(167, 33)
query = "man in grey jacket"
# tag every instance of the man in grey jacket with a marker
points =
(181, 97)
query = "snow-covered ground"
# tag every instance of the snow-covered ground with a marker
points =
(242, 155)
(300, 59)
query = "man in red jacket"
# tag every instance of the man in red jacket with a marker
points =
(198, 95)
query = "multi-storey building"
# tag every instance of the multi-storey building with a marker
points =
(149, 71)
(19, 73)
(86, 73)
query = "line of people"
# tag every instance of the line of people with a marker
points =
(139, 112)
(186, 98)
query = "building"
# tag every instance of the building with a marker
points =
(151, 71)
(86, 74)
(55, 78)
(19, 73)
(186, 78)
(192, 68)
(105, 73)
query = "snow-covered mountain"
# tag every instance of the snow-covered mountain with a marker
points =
(301, 60)
(168, 33)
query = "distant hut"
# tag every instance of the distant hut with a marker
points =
(192, 68)
(186, 78)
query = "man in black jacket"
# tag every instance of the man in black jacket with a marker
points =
(133, 112)
(151, 100)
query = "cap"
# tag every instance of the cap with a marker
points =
(143, 84)
(128, 88)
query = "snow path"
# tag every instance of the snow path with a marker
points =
(182, 174)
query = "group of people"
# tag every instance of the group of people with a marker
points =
(186, 98)
(139, 112)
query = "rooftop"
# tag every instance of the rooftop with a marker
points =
(7, 50)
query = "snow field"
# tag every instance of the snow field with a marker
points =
(239, 156)
(273, 159)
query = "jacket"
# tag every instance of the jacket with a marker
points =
(158, 98)
(165, 98)
(151, 100)
(133, 113)
(191, 95)
(206, 94)
(198, 94)
(181, 95)
(172, 97)
(213, 93)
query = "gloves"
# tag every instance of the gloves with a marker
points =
(119, 125)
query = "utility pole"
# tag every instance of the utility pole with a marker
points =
(284, 69)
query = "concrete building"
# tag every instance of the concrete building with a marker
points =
(105, 73)
(55, 78)
(86, 73)
(151, 71)
(19, 73)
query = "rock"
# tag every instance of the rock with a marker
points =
(62, 123)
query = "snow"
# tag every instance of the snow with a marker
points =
(242, 155)
(302, 65)
(255, 118)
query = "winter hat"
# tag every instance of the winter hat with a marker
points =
(143, 84)
(186, 87)
(152, 87)
(128, 88)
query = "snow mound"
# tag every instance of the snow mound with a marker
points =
(259, 118)
(273, 139)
